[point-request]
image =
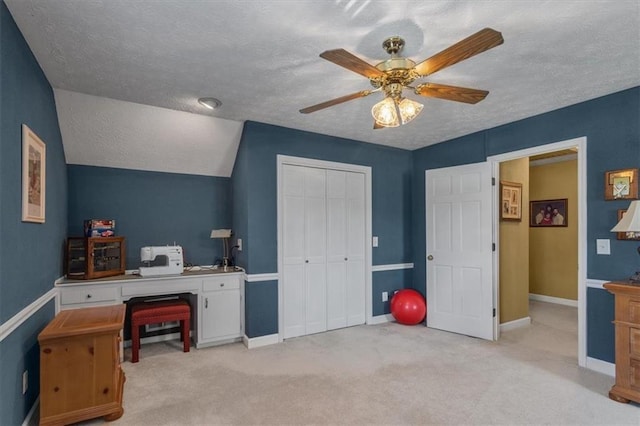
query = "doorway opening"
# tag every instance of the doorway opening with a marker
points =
(546, 300)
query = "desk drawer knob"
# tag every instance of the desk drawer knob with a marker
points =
(221, 284)
(88, 296)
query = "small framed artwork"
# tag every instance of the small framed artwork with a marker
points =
(510, 200)
(621, 185)
(548, 213)
(34, 162)
(623, 235)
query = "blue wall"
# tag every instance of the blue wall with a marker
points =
(152, 208)
(255, 183)
(612, 127)
(30, 254)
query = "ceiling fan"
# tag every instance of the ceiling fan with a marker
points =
(397, 73)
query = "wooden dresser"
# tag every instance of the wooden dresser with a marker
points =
(80, 373)
(627, 323)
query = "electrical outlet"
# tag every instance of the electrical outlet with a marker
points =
(375, 241)
(239, 244)
(385, 296)
(25, 381)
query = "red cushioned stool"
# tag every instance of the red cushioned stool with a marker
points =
(156, 312)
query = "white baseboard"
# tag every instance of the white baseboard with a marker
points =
(381, 319)
(556, 300)
(256, 342)
(601, 366)
(33, 416)
(512, 325)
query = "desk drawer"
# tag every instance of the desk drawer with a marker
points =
(151, 288)
(221, 283)
(88, 295)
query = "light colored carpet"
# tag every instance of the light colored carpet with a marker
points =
(385, 374)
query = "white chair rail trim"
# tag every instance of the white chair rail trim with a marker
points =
(18, 319)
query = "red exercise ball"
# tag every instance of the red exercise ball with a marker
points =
(408, 307)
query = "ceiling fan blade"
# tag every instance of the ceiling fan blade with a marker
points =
(474, 44)
(351, 62)
(451, 93)
(336, 101)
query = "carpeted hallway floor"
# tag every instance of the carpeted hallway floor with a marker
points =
(386, 374)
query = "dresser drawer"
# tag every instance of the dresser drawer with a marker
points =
(221, 283)
(634, 311)
(88, 295)
(634, 342)
(634, 374)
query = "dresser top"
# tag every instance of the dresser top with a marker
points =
(93, 320)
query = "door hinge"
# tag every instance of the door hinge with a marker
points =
(493, 181)
(493, 246)
(494, 312)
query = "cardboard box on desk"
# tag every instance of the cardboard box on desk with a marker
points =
(99, 228)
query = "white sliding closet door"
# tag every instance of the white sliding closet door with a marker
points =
(324, 257)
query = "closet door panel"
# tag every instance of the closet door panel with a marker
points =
(336, 295)
(316, 298)
(294, 293)
(315, 250)
(355, 243)
(294, 300)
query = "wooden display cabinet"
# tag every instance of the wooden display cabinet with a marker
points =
(94, 257)
(627, 323)
(80, 373)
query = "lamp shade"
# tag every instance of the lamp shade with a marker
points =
(384, 112)
(630, 222)
(220, 233)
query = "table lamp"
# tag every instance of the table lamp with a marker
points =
(223, 234)
(630, 223)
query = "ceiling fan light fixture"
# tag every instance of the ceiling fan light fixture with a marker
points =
(384, 112)
(409, 110)
(211, 103)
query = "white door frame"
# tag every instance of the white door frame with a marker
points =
(321, 164)
(581, 144)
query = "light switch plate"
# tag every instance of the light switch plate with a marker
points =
(603, 246)
(375, 241)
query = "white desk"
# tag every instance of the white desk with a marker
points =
(218, 314)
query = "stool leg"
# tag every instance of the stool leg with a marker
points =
(184, 326)
(135, 342)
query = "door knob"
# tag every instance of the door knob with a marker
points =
(429, 257)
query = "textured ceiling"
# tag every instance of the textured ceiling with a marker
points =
(261, 58)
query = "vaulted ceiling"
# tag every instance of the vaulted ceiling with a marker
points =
(261, 60)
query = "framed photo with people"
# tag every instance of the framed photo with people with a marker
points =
(510, 200)
(548, 213)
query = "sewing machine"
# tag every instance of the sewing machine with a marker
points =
(169, 257)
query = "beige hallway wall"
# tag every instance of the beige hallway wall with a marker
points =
(553, 262)
(514, 248)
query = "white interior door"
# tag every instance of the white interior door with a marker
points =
(459, 250)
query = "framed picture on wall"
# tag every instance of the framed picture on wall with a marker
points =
(621, 185)
(510, 200)
(34, 175)
(548, 213)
